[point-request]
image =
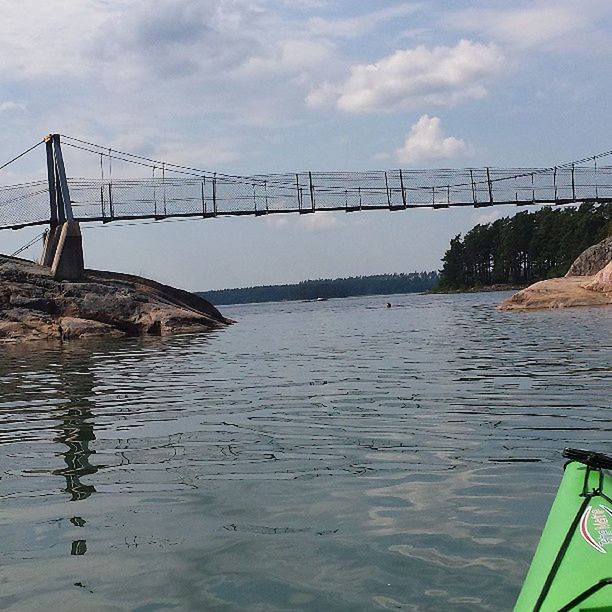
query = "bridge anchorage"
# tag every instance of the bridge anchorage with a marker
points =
(163, 190)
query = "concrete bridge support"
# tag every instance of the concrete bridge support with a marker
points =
(50, 246)
(63, 251)
(63, 248)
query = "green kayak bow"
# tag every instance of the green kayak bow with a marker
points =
(572, 566)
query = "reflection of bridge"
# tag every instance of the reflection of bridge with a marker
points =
(168, 190)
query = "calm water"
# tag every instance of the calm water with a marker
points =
(315, 456)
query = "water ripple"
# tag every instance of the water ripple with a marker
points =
(336, 455)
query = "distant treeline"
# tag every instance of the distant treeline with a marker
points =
(381, 284)
(525, 248)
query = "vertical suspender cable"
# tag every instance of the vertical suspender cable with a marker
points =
(387, 190)
(214, 194)
(298, 190)
(154, 193)
(473, 187)
(203, 196)
(266, 191)
(164, 187)
(312, 192)
(102, 187)
(110, 183)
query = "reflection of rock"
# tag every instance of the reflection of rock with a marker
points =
(79, 547)
(571, 290)
(33, 305)
(593, 259)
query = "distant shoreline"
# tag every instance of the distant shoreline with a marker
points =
(324, 289)
(482, 289)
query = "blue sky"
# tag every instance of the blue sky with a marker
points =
(247, 86)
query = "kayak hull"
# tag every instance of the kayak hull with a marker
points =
(572, 566)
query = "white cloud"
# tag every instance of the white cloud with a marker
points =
(354, 27)
(46, 39)
(490, 217)
(305, 5)
(143, 44)
(321, 221)
(11, 106)
(178, 39)
(115, 71)
(279, 222)
(426, 141)
(288, 56)
(538, 24)
(412, 78)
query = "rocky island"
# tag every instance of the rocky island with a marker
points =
(36, 306)
(588, 282)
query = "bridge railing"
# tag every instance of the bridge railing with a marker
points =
(307, 192)
(24, 204)
(177, 195)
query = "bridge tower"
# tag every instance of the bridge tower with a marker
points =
(63, 247)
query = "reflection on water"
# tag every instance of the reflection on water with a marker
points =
(76, 431)
(336, 455)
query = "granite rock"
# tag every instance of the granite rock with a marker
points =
(593, 259)
(35, 306)
(589, 285)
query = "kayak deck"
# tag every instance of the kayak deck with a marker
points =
(572, 566)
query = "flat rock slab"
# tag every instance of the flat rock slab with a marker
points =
(35, 306)
(562, 292)
(587, 283)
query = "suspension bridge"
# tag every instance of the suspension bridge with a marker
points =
(133, 187)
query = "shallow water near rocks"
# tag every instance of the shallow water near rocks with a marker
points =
(333, 455)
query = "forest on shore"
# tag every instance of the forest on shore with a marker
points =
(525, 248)
(518, 250)
(380, 284)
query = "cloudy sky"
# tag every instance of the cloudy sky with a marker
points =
(248, 86)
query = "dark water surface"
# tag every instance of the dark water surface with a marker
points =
(315, 456)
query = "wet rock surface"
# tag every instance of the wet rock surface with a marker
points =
(35, 306)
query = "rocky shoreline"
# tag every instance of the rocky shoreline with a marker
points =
(479, 289)
(35, 306)
(587, 283)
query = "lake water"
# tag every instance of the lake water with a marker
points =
(315, 456)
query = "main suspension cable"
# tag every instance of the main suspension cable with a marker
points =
(21, 155)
